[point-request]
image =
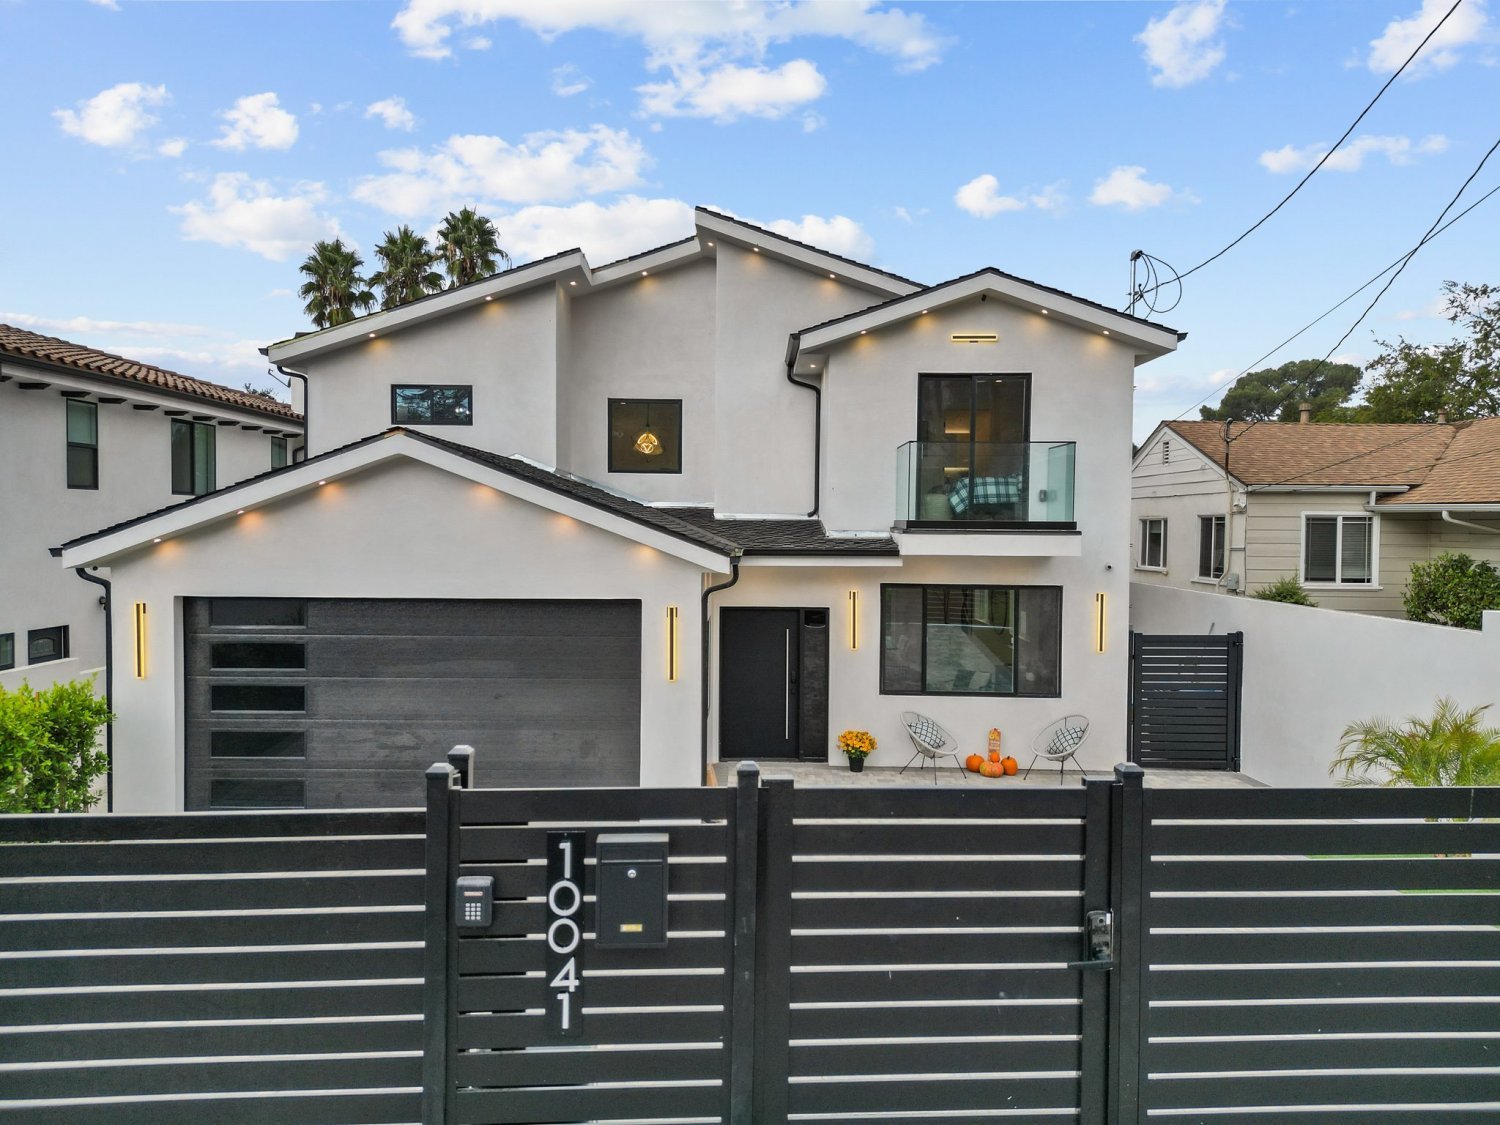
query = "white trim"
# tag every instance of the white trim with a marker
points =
(1338, 550)
(133, 392)
(1160, 567)
(829, 560)
(1207, 461)
(1432, 509)
(713, 224)
(999, 544)
(1393, 489)
(1219, 518)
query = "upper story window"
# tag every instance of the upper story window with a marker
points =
(83, 444)
(7, 651)
(1153, 554)
(970, 640)
(432, 405)
(971, 460)
(645, 435)
(43, 645)
(1339, 549)
(194, 457)
(1210, 546)
(278, 453)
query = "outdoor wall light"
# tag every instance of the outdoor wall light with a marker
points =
(854, 619)
(139, 615)
(1101, 622)
(674, 666)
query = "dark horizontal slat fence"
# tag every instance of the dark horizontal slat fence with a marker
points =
(1185, 701)
(246, 967)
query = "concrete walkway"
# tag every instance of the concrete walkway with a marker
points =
(819, 774)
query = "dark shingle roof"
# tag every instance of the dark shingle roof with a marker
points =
(785, 535)
(806, 245)
(20, 344)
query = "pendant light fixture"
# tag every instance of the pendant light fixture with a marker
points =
(646, 441)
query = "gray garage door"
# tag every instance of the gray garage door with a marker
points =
(342, 703)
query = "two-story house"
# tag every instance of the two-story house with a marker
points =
(1346, 509)
(88, 438)
(611, 523)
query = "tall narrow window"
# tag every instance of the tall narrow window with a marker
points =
(1339, 549)
(645, 435)
(194, 457)
(1210, 546)
(83, 444)
(7, 651)
(1153, 544)
(278, 453)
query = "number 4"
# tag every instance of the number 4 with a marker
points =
(567, 976)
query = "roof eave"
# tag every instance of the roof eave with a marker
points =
(712, 224)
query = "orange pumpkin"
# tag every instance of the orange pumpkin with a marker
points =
(995, 755)
(973, 762)
(992, 769)
(1010, 765)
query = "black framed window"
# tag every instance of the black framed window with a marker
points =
(278, 453)
(971, 640)
(7, 651)
(83, 444)
(1210, 546)
(1153, 543)
(645, 435)
(432, 405)
(43, 645)
(194, 457)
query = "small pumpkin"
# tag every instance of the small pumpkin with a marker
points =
(973, 762)
(1010, 765)
(995, 756)
(992, 769)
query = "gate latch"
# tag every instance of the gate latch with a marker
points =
(1099, 937)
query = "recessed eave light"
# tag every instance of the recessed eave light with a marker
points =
(1046, 313)
(1106, 331)
(322, 482)
(833, 277)
(241, 512)
(756, 249)
(572, 283)
(489, 297)
(372, 335)
(644, 273)
(157, 539)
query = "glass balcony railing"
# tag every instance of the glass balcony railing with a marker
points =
(994, 484)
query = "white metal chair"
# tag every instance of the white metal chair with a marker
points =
(1058, 741)
(931, 742)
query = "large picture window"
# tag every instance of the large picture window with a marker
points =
(432, 406)
(1153, 544)
(83, 444)
(645, 435)
(1210, 546)
(194, 457)
(1339, 549)
(971, 640)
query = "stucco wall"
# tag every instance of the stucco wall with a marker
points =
(1309, 673)
(397, 531)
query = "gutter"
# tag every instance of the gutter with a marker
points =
(793, 346)
(109, 683)
(734, 576)
(306, 412)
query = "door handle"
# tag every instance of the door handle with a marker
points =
(786, 683)
(1099, 939)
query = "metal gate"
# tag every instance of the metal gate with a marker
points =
(1185, 701)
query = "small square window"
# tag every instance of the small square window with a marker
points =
(43, 645)
(7, 651)
(432, 406)
(645, 435)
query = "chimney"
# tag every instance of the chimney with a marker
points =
(1304, 413)
(1442, 415)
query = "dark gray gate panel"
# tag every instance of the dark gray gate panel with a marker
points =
(341, 703)
(1185, 701)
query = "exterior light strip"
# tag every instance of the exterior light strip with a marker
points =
(673, 664)
(139, 614)
(1101, 622)
(854, 619)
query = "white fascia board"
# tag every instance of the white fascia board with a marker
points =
(1394, 490)
(712, 227)
(1121, 329)
(1431, 509)
(550, 271)
(1196, 452)
(998, 545)
(304, 477)
(666, 257)
(829, 561)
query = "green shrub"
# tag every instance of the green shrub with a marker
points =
(49, 760)
(1451, 748)
(1452, 589)
(1284, 589)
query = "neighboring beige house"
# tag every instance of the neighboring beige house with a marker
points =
(1345, 509)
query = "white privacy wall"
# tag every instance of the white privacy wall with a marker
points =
(1309, 673)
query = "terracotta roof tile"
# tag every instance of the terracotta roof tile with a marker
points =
(21, 344)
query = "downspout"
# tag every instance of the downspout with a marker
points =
(793, 346)
(1449, 518)
(306, 426)
(109, 684)
(734, 576)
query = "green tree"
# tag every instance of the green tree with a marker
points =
(334, 289)
(49, 757)
(1451, 748)
(469, 245)
(1452, 589)
(1274, 394)
(406, 272)
(1285, 589)
(1412, 382)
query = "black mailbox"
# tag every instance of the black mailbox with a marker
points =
(631, 890)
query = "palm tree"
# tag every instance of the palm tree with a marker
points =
(334, 289)
(470, 247)
(406, 271)
(1451, 748)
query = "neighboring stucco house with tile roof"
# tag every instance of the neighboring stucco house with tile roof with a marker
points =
(1347, 509)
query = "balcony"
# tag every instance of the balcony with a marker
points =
(945, 486)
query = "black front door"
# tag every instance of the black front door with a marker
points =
(760, 674)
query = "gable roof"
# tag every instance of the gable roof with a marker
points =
(784, 535)
(765, 233)
(24, 346)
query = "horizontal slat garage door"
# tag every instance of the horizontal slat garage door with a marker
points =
(342, 703)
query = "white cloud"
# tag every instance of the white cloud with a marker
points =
(981, 198)
(392, 113)
(172, 146)
(1126, 186)
(840, 234)
(247, 214)
(112, 5)
(1181, 47)
(542, 168)
(732, 91)
(1401, 36)
(604, 231)
(1351, 157)
(231, 358)
(568, 80)
(257, 121)
(86, 325)
(113, 118)
(1435, 309)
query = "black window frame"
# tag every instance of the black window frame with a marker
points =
(1142, 560)
(970, 586)
(64, 644)
(196, 431)
(609, 429)
(466, 388)
(9, 640)
(281, 455)
(91, 447)
(1215, 527)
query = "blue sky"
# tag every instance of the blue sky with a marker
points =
(169, 163)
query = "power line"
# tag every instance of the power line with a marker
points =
(1325, 158)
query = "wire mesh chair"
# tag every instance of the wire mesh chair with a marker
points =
(931, 742)
(1058, 741)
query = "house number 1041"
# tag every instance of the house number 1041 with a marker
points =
(564, 963)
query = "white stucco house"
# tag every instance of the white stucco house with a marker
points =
(608, 524)
(88, 438)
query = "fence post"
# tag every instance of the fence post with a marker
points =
(1098, 845)
(442, 780)
(461, 758)
(1127, 890)
(773, 994)
(746, 853)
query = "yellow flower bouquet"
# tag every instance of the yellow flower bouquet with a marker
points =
(857, 743)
